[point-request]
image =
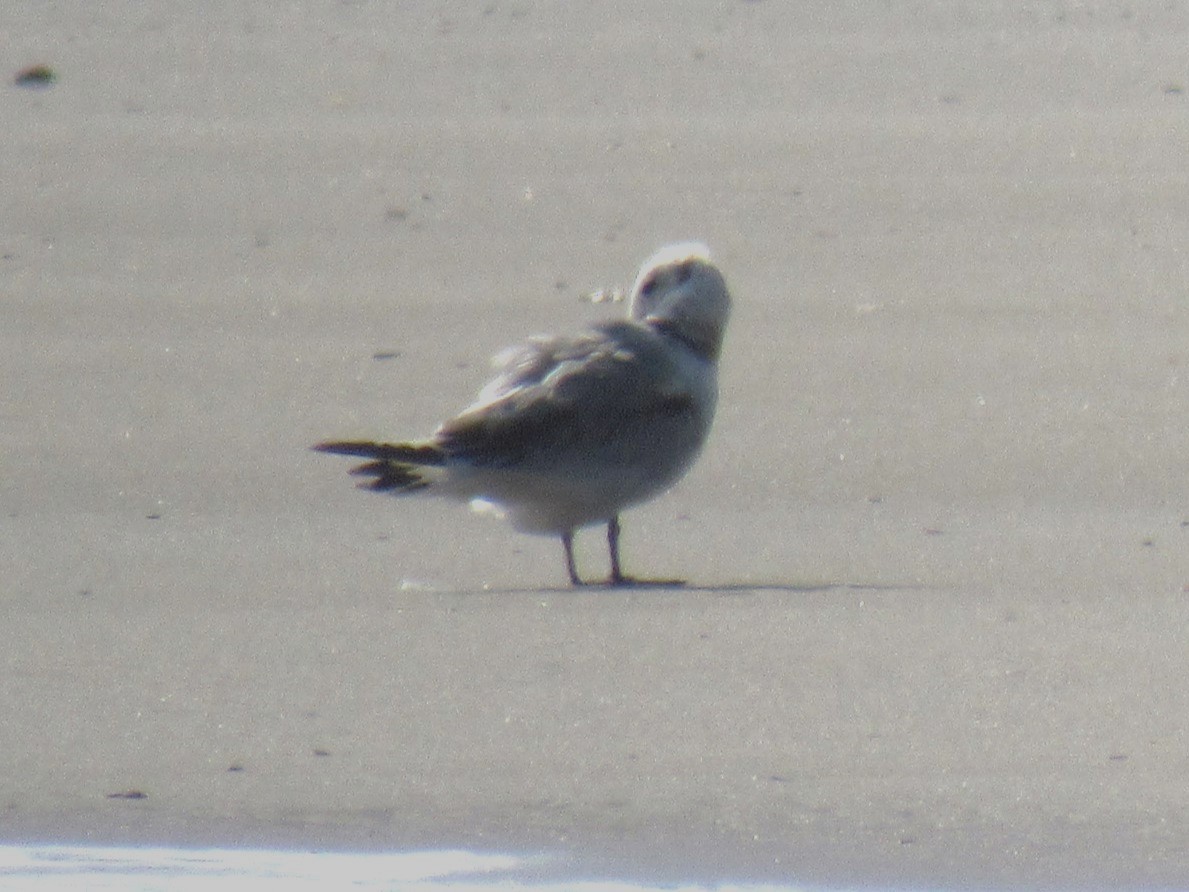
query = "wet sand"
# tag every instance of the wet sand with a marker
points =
(938, 547)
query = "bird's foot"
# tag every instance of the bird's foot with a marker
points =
(618, 580)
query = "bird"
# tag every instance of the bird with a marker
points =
(574, 429)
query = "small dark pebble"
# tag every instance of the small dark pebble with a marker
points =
(386, 354)
(128, 794)
(152, 517)
(35, 76)
(235, 767)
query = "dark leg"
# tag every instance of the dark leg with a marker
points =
(567, 541)
(617, 577)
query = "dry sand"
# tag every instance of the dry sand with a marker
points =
(937, 628)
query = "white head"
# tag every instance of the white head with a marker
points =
(682, 292)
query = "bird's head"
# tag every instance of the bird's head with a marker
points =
(680, 291)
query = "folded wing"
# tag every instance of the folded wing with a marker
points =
(605, 397)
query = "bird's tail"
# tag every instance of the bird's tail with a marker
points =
(393, 467)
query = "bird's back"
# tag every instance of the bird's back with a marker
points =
(575, 428)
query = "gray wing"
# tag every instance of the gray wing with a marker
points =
(610, 396)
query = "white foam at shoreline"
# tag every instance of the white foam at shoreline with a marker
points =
(157, 869)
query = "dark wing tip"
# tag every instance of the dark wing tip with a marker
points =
(359, 448)
(393, 467)
(389, 477)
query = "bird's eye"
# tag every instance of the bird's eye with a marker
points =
(649, 286)
(682, 274)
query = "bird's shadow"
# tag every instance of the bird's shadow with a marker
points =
(645, 587)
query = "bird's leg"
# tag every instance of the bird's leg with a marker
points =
(617, 577)
(567, 541)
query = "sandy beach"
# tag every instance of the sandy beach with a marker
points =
(937, 548)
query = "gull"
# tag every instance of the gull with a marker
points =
(574, 429)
